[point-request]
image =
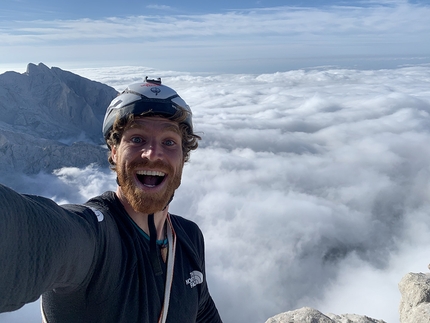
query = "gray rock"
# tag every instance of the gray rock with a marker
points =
(53, 104)
(310, 315)
(353, 318)
(50, 118)
(415, 302)
(304, 315)
(414, 306)
(23, 153)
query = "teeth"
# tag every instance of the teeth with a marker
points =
(150, 173)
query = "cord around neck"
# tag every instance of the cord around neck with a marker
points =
(155, 259)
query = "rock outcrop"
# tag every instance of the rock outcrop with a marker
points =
(415, 302)
(414, 306)
(50, 118)
(310, 315)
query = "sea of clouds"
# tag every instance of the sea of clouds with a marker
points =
(312, 187)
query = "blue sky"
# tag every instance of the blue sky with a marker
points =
(217, 36)
(65, 9)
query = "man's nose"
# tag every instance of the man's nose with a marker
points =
(152, 151)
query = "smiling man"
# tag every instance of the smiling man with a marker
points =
(120, 257)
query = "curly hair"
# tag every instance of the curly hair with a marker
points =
(189, 138)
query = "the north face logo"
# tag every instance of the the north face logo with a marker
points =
(196, 278)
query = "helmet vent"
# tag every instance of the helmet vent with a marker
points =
(117, 102)
(155, 81)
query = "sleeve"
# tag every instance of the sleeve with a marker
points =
(42, 247)
(208, 312)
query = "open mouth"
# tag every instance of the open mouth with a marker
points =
(150, 178)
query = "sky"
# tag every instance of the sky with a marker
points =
(264, 36)
(312, 187)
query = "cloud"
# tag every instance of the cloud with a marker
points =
(305, 176)
(267, 39)
(311, 186)
(159, 7)
(278, 21)
(69, 184)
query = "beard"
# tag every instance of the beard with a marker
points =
(146, 202)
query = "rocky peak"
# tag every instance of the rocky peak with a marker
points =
(310, 315)
(50, 118)
(53, 104)
(415, 303)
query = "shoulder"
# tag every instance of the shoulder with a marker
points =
(106, 200)
(188, 226)
(188, 232)
(95, 210)
(101, 206)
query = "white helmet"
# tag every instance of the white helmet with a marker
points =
(149, 96)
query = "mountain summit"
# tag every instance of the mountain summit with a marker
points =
(50, 118)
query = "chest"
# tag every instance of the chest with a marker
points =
(132, 286)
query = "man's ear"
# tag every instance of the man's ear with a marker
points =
(114, 154)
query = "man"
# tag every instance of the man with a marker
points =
(121, 257)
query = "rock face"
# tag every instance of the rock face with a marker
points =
(415, 302)
(305, 315)
(50, 118)
(310, 315)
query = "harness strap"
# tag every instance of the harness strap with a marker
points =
(171, 237)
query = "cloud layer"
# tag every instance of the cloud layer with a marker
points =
(311, 186)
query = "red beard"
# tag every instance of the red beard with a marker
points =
(142, 201)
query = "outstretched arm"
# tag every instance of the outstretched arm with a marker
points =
(42, 247)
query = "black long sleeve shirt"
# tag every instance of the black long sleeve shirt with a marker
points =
(95, 267)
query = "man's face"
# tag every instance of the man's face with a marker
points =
(149, 162)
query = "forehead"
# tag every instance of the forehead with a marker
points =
(154, 123)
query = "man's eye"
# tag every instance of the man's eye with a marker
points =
(136, 140)
(169, 142)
